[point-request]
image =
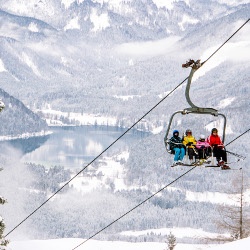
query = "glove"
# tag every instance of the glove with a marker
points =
(202, 146)
(215, 145)
(189, 143)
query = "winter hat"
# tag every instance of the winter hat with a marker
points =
(202, 137)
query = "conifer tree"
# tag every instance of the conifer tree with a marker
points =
(171, 241)
(3, 242)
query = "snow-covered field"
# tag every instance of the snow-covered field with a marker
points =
(69, 244)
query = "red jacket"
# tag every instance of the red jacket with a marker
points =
(214, 139)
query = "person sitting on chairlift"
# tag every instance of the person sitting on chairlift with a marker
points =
(203, 148)
(177, 148)
(189, 142)
(219, 151)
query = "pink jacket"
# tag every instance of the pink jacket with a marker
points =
(202, 143)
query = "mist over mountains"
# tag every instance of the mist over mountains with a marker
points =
(119, 58)
(85, 56)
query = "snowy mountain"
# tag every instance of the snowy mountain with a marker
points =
(18, 120)
(117, 59)
(138, 54)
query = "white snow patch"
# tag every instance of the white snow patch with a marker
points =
(65, 244)
(219, 124)
(114, 4)
(217, 198)
(2, 68)
(82, 118)
(187, 20)
(226, 102)
(126, 97)
(164, 94)
(30, 63)
(131, 62)
(100, 22)
(67, 3)
(72, 24)
(64, 61)
(167, 3)
(178, 232)
(110, 170)
(33, 27)
(30, 8)
(238, 51)
(232, 2)
(25, 135)
(157, 130)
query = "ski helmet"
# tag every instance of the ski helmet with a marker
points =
(188, 131)
(175, 132)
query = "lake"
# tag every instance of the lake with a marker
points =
(73, 147)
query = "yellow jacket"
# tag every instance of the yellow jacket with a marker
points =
(188, 139)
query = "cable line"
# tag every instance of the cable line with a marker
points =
(119, 137)
(228, 39)
(134, 208)
(146, 200)
(238, 137)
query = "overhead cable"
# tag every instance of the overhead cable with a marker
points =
(119, 136)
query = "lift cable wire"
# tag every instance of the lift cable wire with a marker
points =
(118, 137)
(134, 207)
(238, 137)
(147, 199)
(227, 40)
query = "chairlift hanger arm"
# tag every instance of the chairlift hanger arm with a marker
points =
(195, 109)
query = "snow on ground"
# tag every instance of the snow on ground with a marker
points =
(215, 197)
(82, 118)
(72, 24)
(33, 27)
(233, 2)
(187, 20)
(126, 97)
(167, 4)
(177, 232)
(67, 244)
(2, 68)
(100, 22)
(219, 124)
(67, 3)
(225, 102)
(237, 51)
(26, 59)
(25, 135)
(110, 168)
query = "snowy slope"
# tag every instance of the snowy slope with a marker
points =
(65, 244)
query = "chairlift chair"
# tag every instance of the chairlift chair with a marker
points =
(193, 109)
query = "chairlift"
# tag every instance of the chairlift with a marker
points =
(193, 109)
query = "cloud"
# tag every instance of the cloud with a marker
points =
(149, 48)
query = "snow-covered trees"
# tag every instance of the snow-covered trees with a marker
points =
(236, 218)
(3, 242)
(171, 241)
